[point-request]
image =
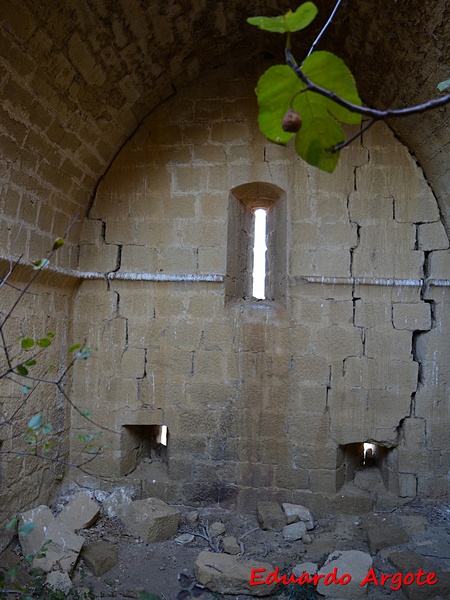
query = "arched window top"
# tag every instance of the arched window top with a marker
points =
(258, 194)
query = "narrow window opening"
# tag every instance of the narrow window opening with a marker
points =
(259, 255)
(369, 455)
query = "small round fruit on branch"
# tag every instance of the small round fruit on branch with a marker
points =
(291, 121)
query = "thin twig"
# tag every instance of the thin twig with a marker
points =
(353, 137)
(316, 41)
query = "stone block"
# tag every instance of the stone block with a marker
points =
(382, 264)
(411, 316)
(133, 363)
(297, 512)
(385, 537)
(355, 563)
(151, 519)
(271, 516)
(432, 236)
(294, 531)
(407, 485)
(62, 549)
(439, 264)
(227, 574)
(99, 258)
(291, 478)
(99, 557)
(336, 343)
(368, 210)
(81, 512)
(382, 342)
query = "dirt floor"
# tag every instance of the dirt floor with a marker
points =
(155, 568)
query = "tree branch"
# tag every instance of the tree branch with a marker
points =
(376, 115)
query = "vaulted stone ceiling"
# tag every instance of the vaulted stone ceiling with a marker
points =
(78, 76)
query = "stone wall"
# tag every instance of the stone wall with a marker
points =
(263, 399)
(27, 480)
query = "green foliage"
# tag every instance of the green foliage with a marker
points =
(290, 22)
(280, 89)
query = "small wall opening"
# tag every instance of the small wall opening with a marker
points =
(143, 444)
(368, 456)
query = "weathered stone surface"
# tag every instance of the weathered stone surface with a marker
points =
(116, 503)
(294, 531)
(81, 512)
(216, 529)
(57, 580)
(353, 562)
(271, 516)
(306, 567)
(230, 545)
(405, 561)
(227, 574)
(192, 517)
(151, 519)
(385, 537)
(99, 557)
(297, 512)
(63, 550)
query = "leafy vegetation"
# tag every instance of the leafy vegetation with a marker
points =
(309, 101)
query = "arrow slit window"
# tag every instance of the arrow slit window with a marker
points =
(256, 244)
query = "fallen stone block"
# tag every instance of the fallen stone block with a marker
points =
(307, 567)
(385, 537)
(294, 531)
(406, 562)
(62, 545)
(227, 574)
(216, 529)
(352, 563)
(230, 545)
(297, 512)
(271, 516)
(81, 512)
(99, 557)
(151, 519)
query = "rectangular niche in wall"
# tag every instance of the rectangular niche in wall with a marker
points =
(143, 446)
(369, 462)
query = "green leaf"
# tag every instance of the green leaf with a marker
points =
(26, 528)
(51, 335)
(290, 22)
(47, 428)
(10, 525)
(85, 353)
(26, 389)
(30, 363)
(443, 85)
(272, 24)
(27, 343)
(275, 90)
(302, 17)
(35, 422)
(74, 347)
(58, 243)
(44, 342)
(330, 72)
(22, 370)
(316, 138)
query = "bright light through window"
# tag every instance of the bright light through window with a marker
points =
(259, 255)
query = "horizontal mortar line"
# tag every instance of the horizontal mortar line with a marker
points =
(136, 276)
(387, 282)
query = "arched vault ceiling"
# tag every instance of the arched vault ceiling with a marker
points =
(84, 73)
